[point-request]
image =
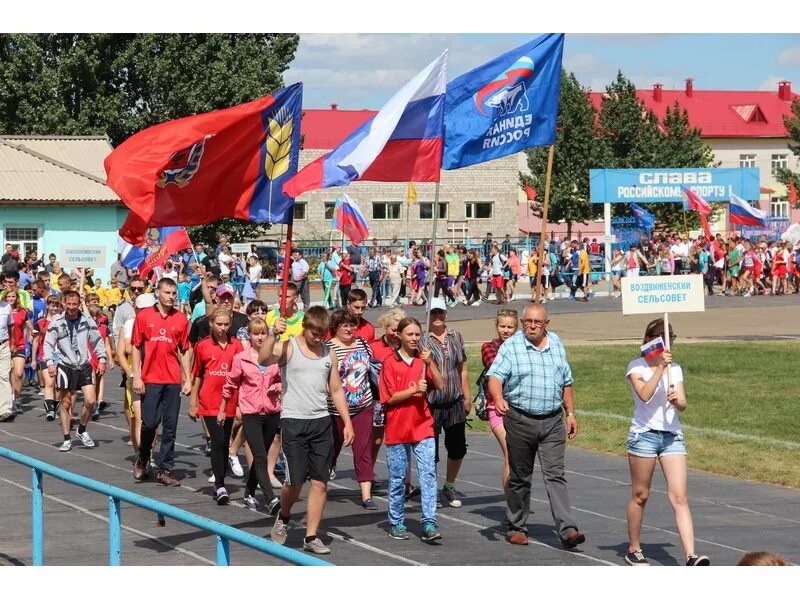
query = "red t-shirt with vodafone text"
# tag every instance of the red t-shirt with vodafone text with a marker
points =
(212, 362)
(160, 337)
(409, 421)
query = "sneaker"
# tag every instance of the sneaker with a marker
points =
(430, 533)
(451, 497)
(9, 416)
(65, 446)
(221, 497)
(316, 546)
(476, 303)
(369, 504)
(236, 466)
(139, 469)
(207, 449)
(96, 413)
(698, 561)
(250, 502)
(212, 479)
(168, 479)
(280, 531)
(636, 559)
(275, 483)
(274, 506)
(399, 532)
(332, 473)
(412, 491)
(102, 405)
(18, 407)
(86, 440)
(50, 415)
(439, 503)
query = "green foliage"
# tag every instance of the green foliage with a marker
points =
(792, 124)
(237, 231)
(118, 84)
(633, 138)
(576, 151)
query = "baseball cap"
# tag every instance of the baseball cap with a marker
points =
(225, 289)
(438, 304)
(145, 301)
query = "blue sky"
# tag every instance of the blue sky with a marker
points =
(363, 70)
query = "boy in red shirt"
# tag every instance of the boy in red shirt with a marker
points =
(161, 335)
(405, 377)
(37, 354)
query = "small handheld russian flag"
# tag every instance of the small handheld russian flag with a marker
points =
(653, 348)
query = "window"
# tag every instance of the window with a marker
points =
(24, 239)
(386, 211)
(779, 209)
(329, 207)
(299, 211)
(478, 210)
(747, 161)
(779, 161)
(426, 210)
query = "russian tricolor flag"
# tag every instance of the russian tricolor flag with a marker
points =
(160, 243)
(653, 348)
(403, 142)
(349, 220)
(743, 213)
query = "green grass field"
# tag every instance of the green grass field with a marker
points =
(742, 416)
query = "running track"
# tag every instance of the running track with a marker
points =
(730, 515)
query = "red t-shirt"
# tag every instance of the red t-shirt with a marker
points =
(162, 337)
(365, 331)
(212, 362)
(102, 328)
(409, 421)
(42, 324)
(380, 349)
(16, 333)
(345, 276)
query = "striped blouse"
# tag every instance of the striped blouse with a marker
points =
(354, 373)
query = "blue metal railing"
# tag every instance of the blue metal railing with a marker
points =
(224, 534)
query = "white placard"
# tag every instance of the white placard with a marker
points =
(92, 257)
(240, 248)
(610, 239)
(670, 293)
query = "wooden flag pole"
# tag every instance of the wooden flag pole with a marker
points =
(287, 258)
(428, 291)
(543, 239)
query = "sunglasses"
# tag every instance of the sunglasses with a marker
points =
(138, 290)
(507, 312)
(660, 334)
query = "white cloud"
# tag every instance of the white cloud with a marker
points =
(770, 84)
(790, 56)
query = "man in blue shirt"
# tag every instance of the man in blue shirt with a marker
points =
(529, 382)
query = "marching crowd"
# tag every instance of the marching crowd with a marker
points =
(294, 389)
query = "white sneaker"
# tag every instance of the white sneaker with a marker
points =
(236, 466)
(476, 303)
(66, 446)
(86, 440)
(212, 479)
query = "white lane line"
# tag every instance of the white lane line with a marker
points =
(499, 531)
(699, 499)
(733, 435)
(100, 517)
(234, 503)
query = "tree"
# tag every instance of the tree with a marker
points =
(576, 151)
(119, 84)
(792, 124)
(633, 138)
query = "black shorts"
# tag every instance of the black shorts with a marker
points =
(19, 354)
(71, 380)
(307, 445)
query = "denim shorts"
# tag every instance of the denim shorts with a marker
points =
(652, 444)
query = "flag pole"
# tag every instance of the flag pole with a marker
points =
(666, 345)
(428, 292)
(543, 239)
(286, 267)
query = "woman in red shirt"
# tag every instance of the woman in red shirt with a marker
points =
(405, 377)
(213, 357)
(345, 277)
(20, 322)
(507, 323)
(259, 389)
